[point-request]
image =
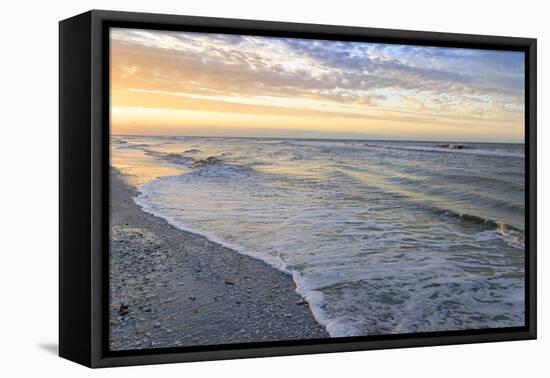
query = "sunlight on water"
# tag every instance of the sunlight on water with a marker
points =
(139, 167)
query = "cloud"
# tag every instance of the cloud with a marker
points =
(250, 70)
(428, 69)
(447, 82)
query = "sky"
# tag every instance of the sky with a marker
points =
(183, 83)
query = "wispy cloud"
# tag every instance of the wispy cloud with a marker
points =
(350, 79)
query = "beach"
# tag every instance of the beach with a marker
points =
(171, 288)
(376, 235)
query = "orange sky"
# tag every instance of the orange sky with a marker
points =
(175, 83)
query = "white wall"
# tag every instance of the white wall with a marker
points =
(29, 185)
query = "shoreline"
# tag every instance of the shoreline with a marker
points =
(170, 287)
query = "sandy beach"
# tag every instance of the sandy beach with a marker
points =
(174, 288)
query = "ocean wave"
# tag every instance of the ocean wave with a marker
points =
(211, 166)
(211, 160)
(511, 235)
(407, 188)
(487, 181)
(216, 167)
(171, 157)
(442, 149)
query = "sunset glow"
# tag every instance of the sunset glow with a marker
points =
(182, 83)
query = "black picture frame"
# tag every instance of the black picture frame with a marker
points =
(84, 187)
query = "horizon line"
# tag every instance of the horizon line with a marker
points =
(312, 138)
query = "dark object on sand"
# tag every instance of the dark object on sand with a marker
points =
(123, 311)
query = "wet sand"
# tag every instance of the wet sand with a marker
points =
(173, 288)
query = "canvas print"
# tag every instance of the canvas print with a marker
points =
(271, 189)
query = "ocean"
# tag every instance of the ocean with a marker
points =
(380, 237)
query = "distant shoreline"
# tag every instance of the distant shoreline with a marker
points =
(172, 288)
